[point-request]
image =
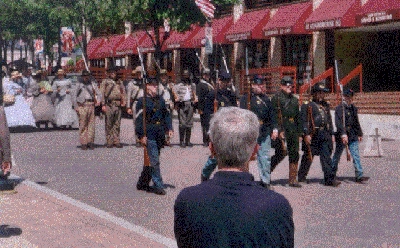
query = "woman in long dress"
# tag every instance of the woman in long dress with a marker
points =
(19, 113)
(42, 106)
(64, 115)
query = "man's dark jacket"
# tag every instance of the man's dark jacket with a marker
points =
(231, 210)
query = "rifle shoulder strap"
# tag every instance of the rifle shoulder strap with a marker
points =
(109, 92)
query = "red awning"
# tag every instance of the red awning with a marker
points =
(146, 44)
(333, 14)
(178, 40)
(219, 27)
(288, 19)
(378, 11)
(93, 45)
(249, 26)
(108, 48)
(129, 45)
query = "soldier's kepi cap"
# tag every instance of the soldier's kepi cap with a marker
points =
(206, 71)
(258, 79)
(319, 88)
(287, 81)
(348, 93)
(85, 73)
(224, 76)
(152, 81)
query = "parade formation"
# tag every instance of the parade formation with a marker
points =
(283, 123)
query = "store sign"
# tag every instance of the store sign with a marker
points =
(277, 31)
(239, 36)
(325, 24)
(381, 16)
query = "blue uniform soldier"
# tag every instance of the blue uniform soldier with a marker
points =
(216, 99)
(317, 136)
(349, 133)
(262, 107)
(158, 121)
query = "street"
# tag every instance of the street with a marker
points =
(352, 215)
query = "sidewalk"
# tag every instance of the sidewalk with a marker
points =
(35, 216)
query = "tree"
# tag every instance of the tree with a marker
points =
(151, 14)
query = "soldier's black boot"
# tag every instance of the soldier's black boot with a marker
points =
(144, 179)
(187, 137)
(182, 137)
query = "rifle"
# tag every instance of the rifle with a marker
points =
(343, 116)
(217, 83)
(224, 59)
(248, 81)
(146, 159)
(310, 117)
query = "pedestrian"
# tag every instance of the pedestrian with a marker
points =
(29, 83)
(166, 90)
(348, 133)
(87, 96)
(113, 100)
(185, 100)
(18, 112)
(287, 113)
(42, 106)
(5, 146)
(317, 135)
(219, 98)
(64, 115)
(134, 91)
(231, 210)
(158, 122)
(204, 87)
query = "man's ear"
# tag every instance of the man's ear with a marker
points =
(211, 147)
(254, 154)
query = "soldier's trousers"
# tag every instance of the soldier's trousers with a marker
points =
(321, 145)
(86, 123)
(185, 114)
(292, 143)
(5, 147)
(113, 124)
(205, 125)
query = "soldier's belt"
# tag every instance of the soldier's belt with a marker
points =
(90, 101)
(321, 128)
(154, 122)
(290, 119)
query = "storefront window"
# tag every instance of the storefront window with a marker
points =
(296, 52)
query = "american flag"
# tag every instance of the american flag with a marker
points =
(206, 7)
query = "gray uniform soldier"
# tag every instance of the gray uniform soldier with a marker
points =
(166, 90)
(114, 99)
(134, 91)
(5, 147)
(185, 99)
(87, 96)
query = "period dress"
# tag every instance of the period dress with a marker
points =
(64, 115)
(42, 106)
(19, 113)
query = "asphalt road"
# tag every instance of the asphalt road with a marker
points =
(351, 215)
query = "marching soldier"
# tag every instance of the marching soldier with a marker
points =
(113, 101)
(204, 87)
(134, 92)
(158, 121)
(216, 99)
(287, 110)
(87, 97)
(262, 107)
(317, 135)
(349, 133)
(166, 90)
(185, 100)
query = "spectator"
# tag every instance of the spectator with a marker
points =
(231, 210)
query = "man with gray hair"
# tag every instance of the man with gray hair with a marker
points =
(231, 210)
